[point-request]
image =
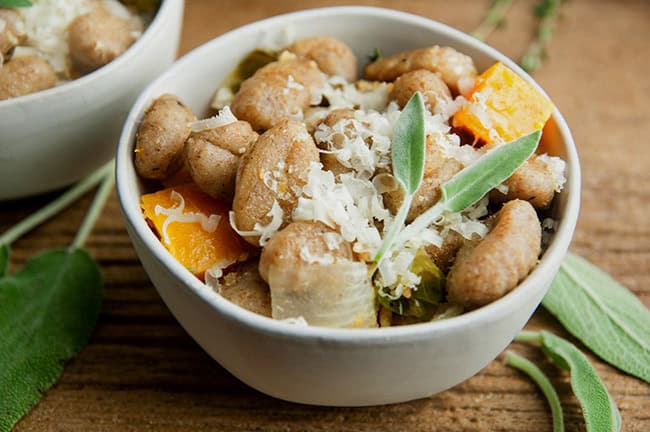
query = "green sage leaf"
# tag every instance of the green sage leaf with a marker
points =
(4, 259)
(47, 314)
(473, 182)
(15, 3)
(598, 407)
(407, 153)
(523, 364)
(407, 149)
(602, 314)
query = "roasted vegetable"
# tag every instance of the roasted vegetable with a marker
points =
(194, 228)
(424, 301)
(502, 107)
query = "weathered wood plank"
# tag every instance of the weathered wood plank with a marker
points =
(143, 372)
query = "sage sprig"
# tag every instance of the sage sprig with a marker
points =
(15, 3)
(603, 314)
(407, 153)
(518, 362)
(598, 407)
(472, 183)
(49, 308)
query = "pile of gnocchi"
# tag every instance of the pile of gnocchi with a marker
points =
(54, 41)
(281, 199)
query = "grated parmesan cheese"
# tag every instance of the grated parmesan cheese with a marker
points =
(557, 168)
(341, 94)
(332, 241)
(307, 256)
(176, 214)
(299, 321)
(465, 84)
(222, 118)
(215, 273)
(293, 84)
(265, 232)
(222, 97)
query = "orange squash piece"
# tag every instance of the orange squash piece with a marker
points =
(188, 240)
(504, 104)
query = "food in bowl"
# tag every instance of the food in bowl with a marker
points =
(54, 41)
(294, 176)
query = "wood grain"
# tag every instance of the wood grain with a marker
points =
(142, 372)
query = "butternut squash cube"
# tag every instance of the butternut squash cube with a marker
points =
(502, 106)
(194, 227)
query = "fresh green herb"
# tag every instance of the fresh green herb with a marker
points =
(472, 183)
(407, 153)
(603, 314)
(598, 407)
(15, 3)
(67, 198)
(376, 55)
(547, 11)
(254, 60)
(4, 260)
(495, 17)
(407, 150)
(48, 310)
(423, 301)
(518, 362)
(47, 313)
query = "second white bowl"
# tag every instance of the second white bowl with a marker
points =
(54, 137)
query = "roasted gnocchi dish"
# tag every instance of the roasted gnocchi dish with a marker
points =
(284, 199)
(54, 41)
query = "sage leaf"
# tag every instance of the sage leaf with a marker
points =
(4, 259)
(407, 148)
(473, 182)
(602, 314)
(48, 311)
(521, 363)
(15, 3)
(598, 407)
(407, 153)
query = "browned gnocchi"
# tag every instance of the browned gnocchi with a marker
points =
(316, 192)
(25, 75)
(161, 137)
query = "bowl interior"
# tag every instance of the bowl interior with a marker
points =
(195, 77)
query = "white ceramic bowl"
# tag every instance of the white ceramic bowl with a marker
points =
(342, 367)
(52, 138)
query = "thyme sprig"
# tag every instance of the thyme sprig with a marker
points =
(494, 18)
(548, 12)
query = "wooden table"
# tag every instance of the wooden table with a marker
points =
(141, 371)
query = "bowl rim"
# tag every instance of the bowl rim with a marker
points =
(154, 26)
(478, 317)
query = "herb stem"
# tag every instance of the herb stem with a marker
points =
(392, 231)
(518, 362)
(494, 18)
(64, 200)
(420, 223)
(96, 207)
(547, 11)
(529, 337)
